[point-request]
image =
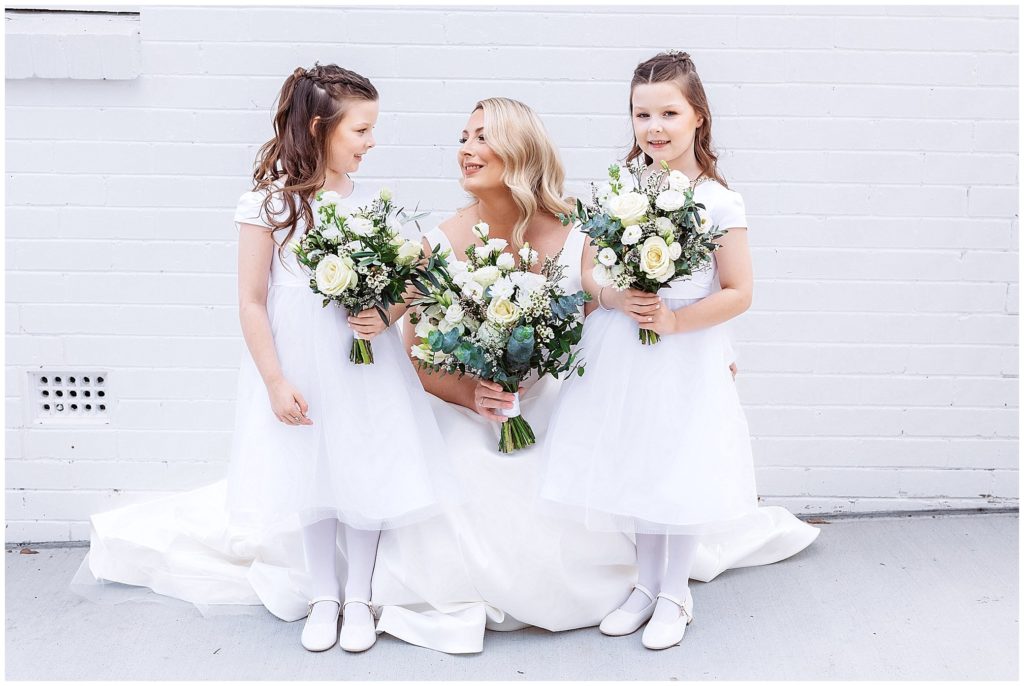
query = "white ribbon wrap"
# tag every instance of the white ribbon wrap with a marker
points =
(511, 411)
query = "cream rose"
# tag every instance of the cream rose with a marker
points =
(409, 253)
(503, 312)
(335, 274)
(670, 200)
(629, 208)
(655, 260)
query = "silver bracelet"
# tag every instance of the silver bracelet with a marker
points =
(599, 301)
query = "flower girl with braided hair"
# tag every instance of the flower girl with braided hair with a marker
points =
(652, 440)
(320, 441)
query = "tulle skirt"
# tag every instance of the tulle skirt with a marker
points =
(652, 438)
(373, 457)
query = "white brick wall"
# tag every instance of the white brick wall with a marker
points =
(876, 149)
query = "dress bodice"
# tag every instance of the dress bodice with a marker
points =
(284, 268)
(725, 209)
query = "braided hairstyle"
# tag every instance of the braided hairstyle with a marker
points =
(677, 67)
(298, 154)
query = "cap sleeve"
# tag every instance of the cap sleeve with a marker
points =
(732, 212)
(250, 210)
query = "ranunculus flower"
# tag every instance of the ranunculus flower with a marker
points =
(629, 208)
(670, 200)
(335, 274)
(481, 230)
(655, 260)
(409, 253)
(503, 312)
(360, 226)
(631, 235)
(506, 261)
(678, 181)
(485, 276)
(607, 257)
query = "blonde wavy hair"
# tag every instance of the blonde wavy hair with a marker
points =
(533, 171)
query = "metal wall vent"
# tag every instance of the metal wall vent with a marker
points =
(70, 396)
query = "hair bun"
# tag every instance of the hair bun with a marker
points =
(677, 55)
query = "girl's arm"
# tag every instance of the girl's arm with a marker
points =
(736, 277)
(255, 252)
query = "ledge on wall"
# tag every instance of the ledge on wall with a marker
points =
(47, 44)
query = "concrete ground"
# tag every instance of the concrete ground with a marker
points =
(905, 597)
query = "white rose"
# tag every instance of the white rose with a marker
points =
(329, 198)
(455, 313)
(506, 261)
(481, 230)
(607, 257)
(503, 288)
(335, 274)
(385, 194)
(631, 235)
(485, 276)
(503, 312)
(629, 208)
(471, 289)
(678, 181)
(409, 253)
(670, 200)
(602, 275)
(655, 260)
(675, 250)
(360, 226)
(704, 225)
(424, 328)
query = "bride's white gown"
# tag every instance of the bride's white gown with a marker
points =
(494, 558)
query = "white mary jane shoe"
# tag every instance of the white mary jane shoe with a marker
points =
(623, 622)
(319, 636)
(357, 639)
(660, 635)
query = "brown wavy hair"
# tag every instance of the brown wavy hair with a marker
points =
(296, 154)
(677, 67)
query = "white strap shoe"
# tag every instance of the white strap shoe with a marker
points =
(321, 634)
(623, 622)
(660, 635)
(357, 637)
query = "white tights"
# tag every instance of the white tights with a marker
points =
(663, 566)
(319, 541)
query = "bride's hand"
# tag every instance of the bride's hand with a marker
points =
(637, 304)
(367, 324)
(288, 404)
(487, 396)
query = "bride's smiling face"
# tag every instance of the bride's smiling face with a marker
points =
(481, 168)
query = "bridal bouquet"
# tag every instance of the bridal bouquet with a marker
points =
(358, 258)
(498, 321)
(649, 237)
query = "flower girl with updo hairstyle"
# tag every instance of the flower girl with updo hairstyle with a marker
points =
(319, 440)
(652, 440)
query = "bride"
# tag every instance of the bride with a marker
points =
(494, 558)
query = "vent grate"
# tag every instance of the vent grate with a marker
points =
(70, 396)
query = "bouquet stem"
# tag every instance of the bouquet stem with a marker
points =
(361, 353)
(648, 337)
(516, 433)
